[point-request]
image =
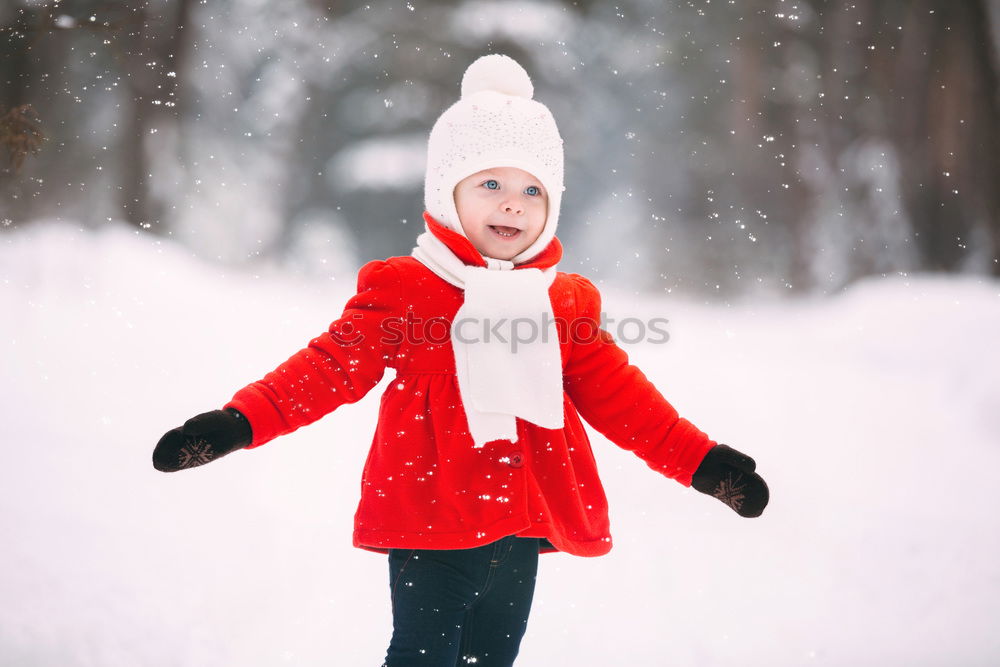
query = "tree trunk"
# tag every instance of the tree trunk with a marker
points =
(947, 132)
(155, 52)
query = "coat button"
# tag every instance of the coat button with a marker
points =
(515, 459)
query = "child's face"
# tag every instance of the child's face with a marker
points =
(502, 210)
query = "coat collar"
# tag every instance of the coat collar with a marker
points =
(465, 251)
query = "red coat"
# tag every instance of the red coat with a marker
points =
(425, 485)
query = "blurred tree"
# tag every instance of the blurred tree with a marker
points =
(717, 146)
(918, 80)
(946, 107)
(20, 128)
(734, 84)
(849, 137)
(20, 134)
(151, 49)
(40, 49)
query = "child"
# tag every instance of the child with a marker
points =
(480, 461)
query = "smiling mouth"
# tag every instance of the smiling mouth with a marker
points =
(505, 232)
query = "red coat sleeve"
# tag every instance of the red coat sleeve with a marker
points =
(616, 398)
(340, 366)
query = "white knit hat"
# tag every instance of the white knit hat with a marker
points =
(494, 124)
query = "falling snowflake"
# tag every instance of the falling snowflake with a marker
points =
(195, 453)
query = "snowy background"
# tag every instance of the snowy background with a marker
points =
(733, 147)
(872, 414)
(775, 178)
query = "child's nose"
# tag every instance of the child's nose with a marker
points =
(513, 206)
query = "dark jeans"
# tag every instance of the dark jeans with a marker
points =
(461, 606)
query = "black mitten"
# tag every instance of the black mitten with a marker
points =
(204, 438)
(729, 476)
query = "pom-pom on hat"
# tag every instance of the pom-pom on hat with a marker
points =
(494, 124)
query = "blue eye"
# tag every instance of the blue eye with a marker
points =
(492, 184)
(533, 190)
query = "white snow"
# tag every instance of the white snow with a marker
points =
(873, 416)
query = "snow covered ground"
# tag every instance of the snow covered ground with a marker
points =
(874, 416)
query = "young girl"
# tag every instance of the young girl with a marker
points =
(480, 461)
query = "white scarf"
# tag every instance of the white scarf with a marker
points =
(505, 342)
